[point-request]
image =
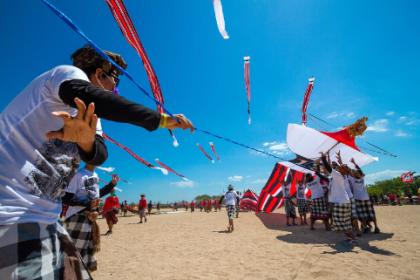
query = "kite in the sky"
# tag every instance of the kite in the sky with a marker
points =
(213, 149)
(171, 170)
(218, 12)
(123, 19)
(247, 85)
(309, 143)
(306, 99)
(205, 153)
(134, 155)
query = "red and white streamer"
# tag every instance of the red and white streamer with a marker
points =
(134, 155)
(171, 170)
(308, 92)
(123, 19)
(205, 153)
(247, 84)
(213, 149)
(220, 19)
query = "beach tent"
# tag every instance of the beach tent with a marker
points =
(249, 200)
(271, 196)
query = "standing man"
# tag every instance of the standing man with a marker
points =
(142, 209)
(230, 198)
(45, 132)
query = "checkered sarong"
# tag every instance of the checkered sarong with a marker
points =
(289, 208)
(354, 215)
(230, 211)
(365, 210)
(341, 217)
(39, 251)
(302, 206)
(319, 208)
(79, 228)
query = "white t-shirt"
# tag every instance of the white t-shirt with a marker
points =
(359, 189)
(337, 190)
(230, 198)
(316, 188)
(300, 192)
(84, 185)
(286, 191)
(348, 187)
(34, 171)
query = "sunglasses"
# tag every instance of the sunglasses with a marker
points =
(114, 77)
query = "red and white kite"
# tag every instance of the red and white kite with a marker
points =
(407, 177)
(205, 153)
(308, 92)
(171, 170)
(214, 150)
(247, 84)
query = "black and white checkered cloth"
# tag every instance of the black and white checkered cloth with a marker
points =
(341, 217)
(79, 228)
(302, 206)
(289, 208)
(38, 251)
(365, 210)
(354, 215)
(230, 211)
(319, 208)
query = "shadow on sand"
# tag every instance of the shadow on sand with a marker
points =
(303, 235)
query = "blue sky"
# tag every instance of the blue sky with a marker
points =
(364, 55)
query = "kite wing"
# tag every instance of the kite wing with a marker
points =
(308, 143)
(249, 200)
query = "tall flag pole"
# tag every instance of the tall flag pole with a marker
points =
(247, 85)
(123, 19)
(218, 12)
(308, 92)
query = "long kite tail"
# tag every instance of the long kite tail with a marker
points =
(171, 170)
(120, 13)
(134, 155)
(220, 19)
(214, 150)
(248, 84)
(306, 97)
(205, 153)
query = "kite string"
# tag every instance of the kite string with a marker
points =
(75, 28)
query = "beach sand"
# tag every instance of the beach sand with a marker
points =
(196, 246)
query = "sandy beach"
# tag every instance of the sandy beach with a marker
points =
(196, 246)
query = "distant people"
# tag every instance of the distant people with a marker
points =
(142, 208)
(192, 206)
(176, 206)
(238, 203)
(110, 211)
(301, 201)
(124, 208)
(158, 207)
(230, 198)
(149, 207)
(186, 206)
(289, 207)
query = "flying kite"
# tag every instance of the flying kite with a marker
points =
(306, 97)
(309, 143)
(214, 150)
(218, 12)
(171, 170)
(247, 85)
(205, 153)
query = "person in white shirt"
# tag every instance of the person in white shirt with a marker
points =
(364, 207)
(289, 207)
(338, 196)
(319, 210)
(301, 201)
(231, 198)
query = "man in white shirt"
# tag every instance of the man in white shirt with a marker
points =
(230, 198)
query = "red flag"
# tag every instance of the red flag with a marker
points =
(123, 19)
(205, 153)
(306, 99)
(170, 169)
(214, 150)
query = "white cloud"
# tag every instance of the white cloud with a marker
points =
(411, 120)
(235, 178)
(390, 113)
(401, 133)
(382, 175)
(347, 115)
(277, 148)
(106, 169)
(183, 184)
(379, 126)
(259, 181)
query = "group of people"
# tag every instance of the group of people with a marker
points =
(45, 133)
(338, 197)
